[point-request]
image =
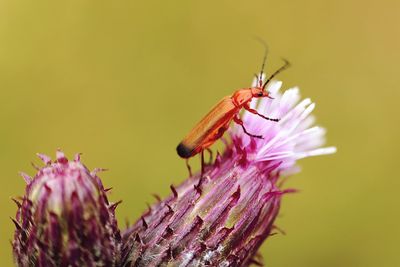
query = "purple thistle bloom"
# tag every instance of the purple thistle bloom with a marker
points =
(65, 219)
(222, 219)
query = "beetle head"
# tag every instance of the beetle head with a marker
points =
(259, 92)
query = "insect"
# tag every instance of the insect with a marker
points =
(216, 122)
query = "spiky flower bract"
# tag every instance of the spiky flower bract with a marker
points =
(222, 218)
(65, 218)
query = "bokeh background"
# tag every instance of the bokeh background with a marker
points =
(123, 81)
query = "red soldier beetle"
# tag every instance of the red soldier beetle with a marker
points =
(216, 122)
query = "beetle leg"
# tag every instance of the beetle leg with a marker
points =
(240, 122)
(197, 187)
(188, 167)
(202, 164)
(211, 155)
(246, 107)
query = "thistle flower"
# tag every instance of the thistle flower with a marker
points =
(222, 218)
(219, 218)
(65, 219)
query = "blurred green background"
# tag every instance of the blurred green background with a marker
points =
(123, 81)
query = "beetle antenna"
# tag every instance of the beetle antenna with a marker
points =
(263, 65)
(259, 79)
(285, 66)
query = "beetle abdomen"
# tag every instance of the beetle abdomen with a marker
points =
(209, 129)
(184, 151)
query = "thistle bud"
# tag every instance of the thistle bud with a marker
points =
(65, 219)
(221, 217)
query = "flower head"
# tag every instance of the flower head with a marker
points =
(222, 218)
(293, 137)
(65, 218)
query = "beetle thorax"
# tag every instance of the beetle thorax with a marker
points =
(242, 96)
